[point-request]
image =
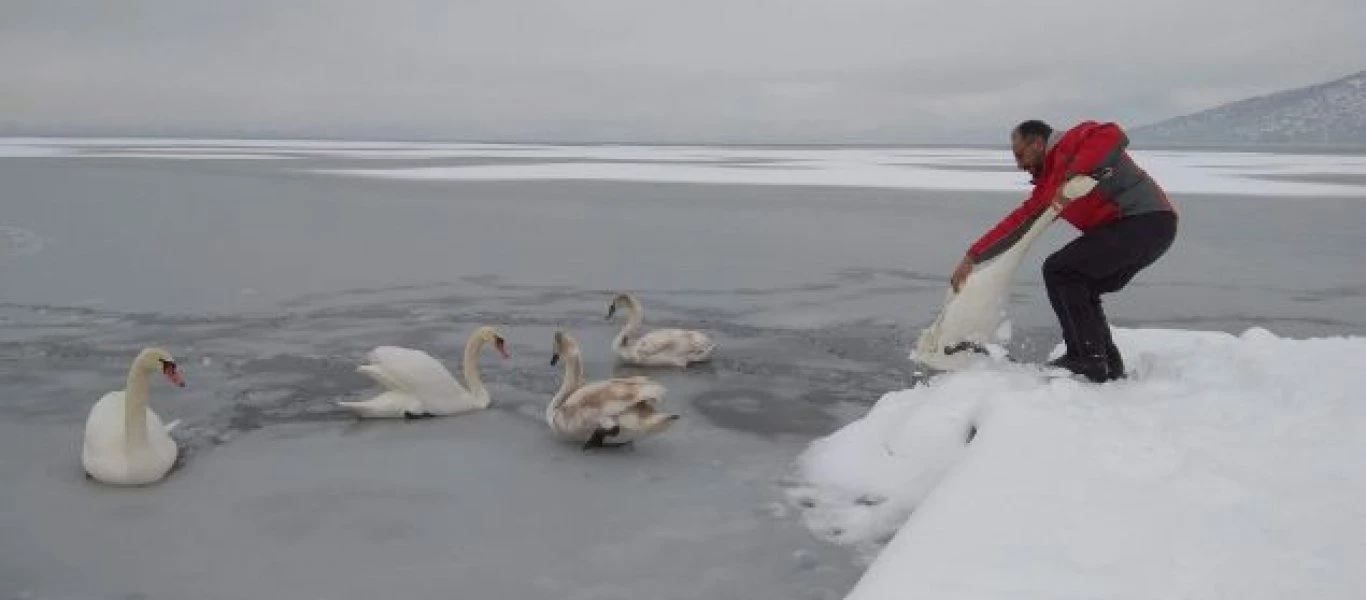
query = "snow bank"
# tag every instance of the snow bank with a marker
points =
(1184, 173)
(1227, 467)
(963, 169)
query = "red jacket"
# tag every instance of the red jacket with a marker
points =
(1097, 149)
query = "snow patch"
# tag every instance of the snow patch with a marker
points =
(965, 169)
(1226, 466)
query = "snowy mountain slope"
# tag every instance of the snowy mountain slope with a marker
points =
(1332, 113)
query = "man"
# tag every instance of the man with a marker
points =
(1127, 223)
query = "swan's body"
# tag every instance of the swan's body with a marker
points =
(610, 412)
(970, 318)
(125, 441)
(661, 347)
(417, 385)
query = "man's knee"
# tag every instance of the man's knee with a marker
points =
(1056, 268)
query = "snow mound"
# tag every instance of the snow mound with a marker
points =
(1226, 466)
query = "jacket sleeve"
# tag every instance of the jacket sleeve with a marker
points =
(1011, 228)
(1099, 146)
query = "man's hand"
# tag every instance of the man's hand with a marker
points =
(961, 273)
(1060, 199)
(1072, 189)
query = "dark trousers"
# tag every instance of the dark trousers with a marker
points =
(1102, 261)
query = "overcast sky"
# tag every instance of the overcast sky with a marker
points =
(643, 70)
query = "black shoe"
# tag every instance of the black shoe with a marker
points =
(1092, 367)
(1061, 362)
(1114, 362)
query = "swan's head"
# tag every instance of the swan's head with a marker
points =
(622, 299)
(156, 358)
(490, 335)
(563, 346)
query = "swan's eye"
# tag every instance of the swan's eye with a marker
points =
(168, 367)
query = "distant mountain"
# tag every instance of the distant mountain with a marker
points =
(1327, 114)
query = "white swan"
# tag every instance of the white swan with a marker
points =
(606, 413)
(125, 442)
(970, 317)
(419, 386)
(672, 347)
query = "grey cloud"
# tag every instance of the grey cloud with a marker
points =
(706, 70)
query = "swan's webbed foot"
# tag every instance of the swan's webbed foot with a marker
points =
(965, 346)
(414, 416)
(600, 434)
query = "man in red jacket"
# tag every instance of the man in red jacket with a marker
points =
(1127, 223)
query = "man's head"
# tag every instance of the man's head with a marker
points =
(1029, 142)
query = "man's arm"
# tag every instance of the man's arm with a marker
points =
(1002, 236)
(997, 239)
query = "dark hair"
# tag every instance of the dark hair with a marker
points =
(1034, 128)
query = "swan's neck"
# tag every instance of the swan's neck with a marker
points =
(1036, 228)
(635, 316)
(573, 380)
(135, 406)
(470, 363)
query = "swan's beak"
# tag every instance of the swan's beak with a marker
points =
(501, 347)
(172, 374)
(611, 309)
(554, 358)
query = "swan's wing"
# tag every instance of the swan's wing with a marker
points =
(159, 434)
(668, 342)
(386, 405)
(104, 424)
(611, 397)
(104, 432)
(382, 377)
(416, 371)
(699, 344)
(646, 390)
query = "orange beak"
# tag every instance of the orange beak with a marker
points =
(499, 345)
(169, 370)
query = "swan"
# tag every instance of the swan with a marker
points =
(419, 386)
(670, 347)
(125, 441)
(606, 413)
(970, 317)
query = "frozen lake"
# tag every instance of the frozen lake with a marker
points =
(269, 268)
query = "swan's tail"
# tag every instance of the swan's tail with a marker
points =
(702, 346)
(651, 391)
(386, 405)
(382, 377)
